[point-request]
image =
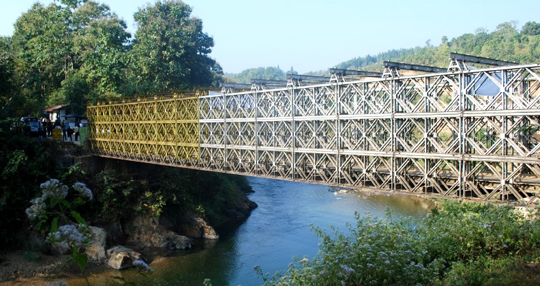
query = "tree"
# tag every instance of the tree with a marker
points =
(41, 44)
(100, 43)
(270, 73)
(292, 71)
(70, 38)
(531, 29)
(171, 50)
(7, 73)
(503, 43)
(75, 91)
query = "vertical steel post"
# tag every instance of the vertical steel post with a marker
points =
(199, 163)
(427, 128)
(225, 131)
(293, 131)
(256, 131)
(393, 130)
(504, 127)
(337, 91)
(462, 168)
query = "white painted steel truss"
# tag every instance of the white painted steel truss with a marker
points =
(461, 134)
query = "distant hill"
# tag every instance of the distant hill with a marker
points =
(505, 43)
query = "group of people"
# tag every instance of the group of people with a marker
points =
(67, 132)
(46, 130)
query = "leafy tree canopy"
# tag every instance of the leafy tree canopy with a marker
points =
(7, 72)
(269, 73)
(75, 51)
(171, 51)
(531, 29)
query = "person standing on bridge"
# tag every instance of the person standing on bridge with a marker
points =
(76, 131)
(69, 133)
(64, 131)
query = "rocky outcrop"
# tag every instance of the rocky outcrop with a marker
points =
(121, 257)
(96, 249)
(115, 232)
(194, 226)
(150, 231)
(147, 231)
(242, 209)
(174, 241)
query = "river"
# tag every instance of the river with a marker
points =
(276, 231)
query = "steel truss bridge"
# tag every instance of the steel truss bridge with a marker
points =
(438, 133)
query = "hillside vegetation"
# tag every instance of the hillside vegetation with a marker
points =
(507, 43)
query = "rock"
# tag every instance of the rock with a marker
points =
(96, 249)
(60, 248)
(241, 211)
(209, 232)
(174, 241)
(121, 257)
(194, 226)
(147, 231)
(115, 234)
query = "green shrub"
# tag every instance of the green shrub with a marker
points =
(23, 166)
(376, 252)
(457, 244)
(165, 190)
(115, 196)
(464, 231)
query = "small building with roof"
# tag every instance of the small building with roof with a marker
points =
(57, 113)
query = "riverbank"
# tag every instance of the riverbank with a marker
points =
(140, 205)
(16, 270)
(272, 235)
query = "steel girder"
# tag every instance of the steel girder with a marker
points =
(465, 134)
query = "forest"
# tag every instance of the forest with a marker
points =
(73, 52)
(507, 43)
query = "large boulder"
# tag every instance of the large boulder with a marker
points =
(96, 249)
(60, 248)
(147, 231)
(174, 241)
(193, 225)
(121, 257)
(115, 233)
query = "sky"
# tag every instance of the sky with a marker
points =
(314, 35)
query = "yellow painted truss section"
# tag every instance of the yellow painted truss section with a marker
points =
(162, 130)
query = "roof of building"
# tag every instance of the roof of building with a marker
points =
(56, 108)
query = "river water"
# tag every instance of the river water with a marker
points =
(278, 230)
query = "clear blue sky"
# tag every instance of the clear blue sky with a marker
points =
(312, 35)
